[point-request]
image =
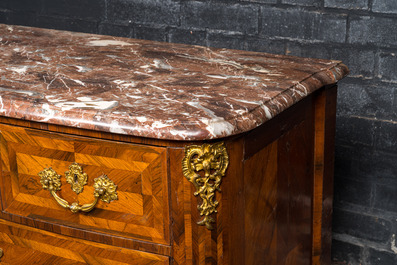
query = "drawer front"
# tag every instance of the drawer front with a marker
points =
(25, 245)
(140, 173)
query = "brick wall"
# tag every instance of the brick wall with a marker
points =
(362, 33)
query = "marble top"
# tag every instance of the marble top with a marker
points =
(150, 89)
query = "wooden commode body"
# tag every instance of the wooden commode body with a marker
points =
(123, 151)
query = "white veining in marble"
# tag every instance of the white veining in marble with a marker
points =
(149, 89)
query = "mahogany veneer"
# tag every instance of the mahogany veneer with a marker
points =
(275, 199)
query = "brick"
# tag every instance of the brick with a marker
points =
(380, 102)
(352, 191)
(187, 36)
(286, 23)
(330, 28)
(82, 9)
(34, 6)
(346, 253)
(260, 1)
(67, 24)
(384, 6)
(265, 45)
(309, 50)
(388, 66)
(351, 4)
(377, 257)
(3, 5)
(394, 112)
(352, 99)
(361, 226)
(346, 162)
(144, 11)
(386, 197)
(220, 16)
(4, 16)
(377, 166)
(299, 24)
(366, 99)
(361, 62)
(302, 2)
(115, 30)
(21, 18)
(221, 40)
(150, 33)
(355, 131)
(386, 137)
(375, 30)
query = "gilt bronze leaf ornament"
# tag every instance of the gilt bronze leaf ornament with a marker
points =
(213, 160)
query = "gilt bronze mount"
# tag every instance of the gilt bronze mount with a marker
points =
(213, 160)
(104, 188)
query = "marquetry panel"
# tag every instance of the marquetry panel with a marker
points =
(140, 173)
(23, 245)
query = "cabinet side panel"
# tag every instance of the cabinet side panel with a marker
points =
(260, 177)
(294, 195)
(233, 201)
(325, 112)
(278, 190)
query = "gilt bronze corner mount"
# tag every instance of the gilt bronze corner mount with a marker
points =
(213, 160)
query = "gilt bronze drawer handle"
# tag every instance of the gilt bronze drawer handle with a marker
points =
(104, 188)
(213, 160)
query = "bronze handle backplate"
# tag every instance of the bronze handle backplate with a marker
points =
(104, 188)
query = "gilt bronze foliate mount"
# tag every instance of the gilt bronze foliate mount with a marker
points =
(104, 188)
(213, 160)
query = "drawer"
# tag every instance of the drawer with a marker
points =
(141, 210)
(25, 245)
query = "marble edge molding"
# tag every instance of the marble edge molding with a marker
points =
(242, 123)
(305, 87)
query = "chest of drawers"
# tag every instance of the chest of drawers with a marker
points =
(121, 151)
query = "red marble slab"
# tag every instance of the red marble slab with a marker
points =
(146, 88)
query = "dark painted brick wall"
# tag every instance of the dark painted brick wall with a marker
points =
(362, 33)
